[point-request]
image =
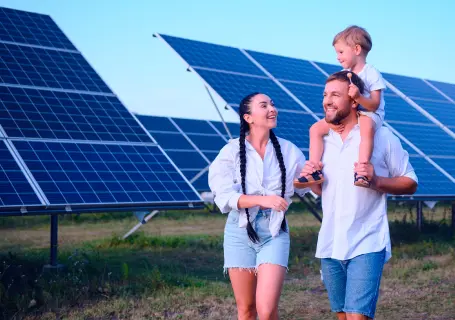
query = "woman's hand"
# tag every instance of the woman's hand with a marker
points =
(274, 202)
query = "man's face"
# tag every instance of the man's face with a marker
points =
(337, 103)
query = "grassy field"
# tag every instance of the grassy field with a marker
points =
(172, 268)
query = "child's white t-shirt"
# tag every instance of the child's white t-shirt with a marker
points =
(373, 80)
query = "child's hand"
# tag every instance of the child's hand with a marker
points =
(337, 128)
(353, 92)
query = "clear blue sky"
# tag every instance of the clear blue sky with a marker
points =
(415, 38)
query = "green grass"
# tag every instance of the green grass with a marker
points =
(180, 276)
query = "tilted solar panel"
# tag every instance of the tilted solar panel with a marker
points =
(296, 86)
(74, 141)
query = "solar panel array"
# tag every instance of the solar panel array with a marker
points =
(419, 111)
(191, 144)
(66, 141)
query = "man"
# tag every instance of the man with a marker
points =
(354, 240)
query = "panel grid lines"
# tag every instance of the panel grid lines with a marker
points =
(305, 80)
(31, 28)
(48, 68)
(71, 173)
(15, 190)
(33, 113)
(69, 136)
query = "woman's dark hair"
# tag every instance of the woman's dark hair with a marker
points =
(244, 129)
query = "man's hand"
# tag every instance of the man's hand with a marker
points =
(337, 128)
(353, 92)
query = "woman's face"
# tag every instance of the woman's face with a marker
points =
(263, 114)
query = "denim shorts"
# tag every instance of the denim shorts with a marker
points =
(241, 252)
(353, 285)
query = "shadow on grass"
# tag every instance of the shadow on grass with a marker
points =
(146, 265)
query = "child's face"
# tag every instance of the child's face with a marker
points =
(347, 55)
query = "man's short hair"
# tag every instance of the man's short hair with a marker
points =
(343, 77)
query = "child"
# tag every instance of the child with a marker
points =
(352, 46)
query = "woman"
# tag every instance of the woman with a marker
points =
(252, 179)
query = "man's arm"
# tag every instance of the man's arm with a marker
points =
(396, 185)
(402, 179)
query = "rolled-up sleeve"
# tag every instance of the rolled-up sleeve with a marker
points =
(398, 160)
(222, 182)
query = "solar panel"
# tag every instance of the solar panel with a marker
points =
(446, 88)
(48, 114)
(76, 143)
(233, 88)
(107, 174)
(285, 68)
(31, 28)
(179, 146)
(15, 190)
(296, 86)
(234, 128)
(206, 55)
(413, 87)
(39, 67)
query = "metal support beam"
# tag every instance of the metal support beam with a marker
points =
(143, 221)
(53, 261)
(311, 208)
(219, 113)
(453, 217)
(419, 215)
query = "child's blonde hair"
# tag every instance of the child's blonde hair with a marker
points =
(355, 35)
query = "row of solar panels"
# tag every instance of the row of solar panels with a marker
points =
(66, 141)
(420, 112)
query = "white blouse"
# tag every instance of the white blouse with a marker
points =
(263, 177)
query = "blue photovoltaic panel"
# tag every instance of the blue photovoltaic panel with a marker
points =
(305, 82)
(447, 163)
(195, 126)
(172, 141)
(207, 55)
(80, 145)
(233, 88)
(310, 95)
(103, 174)
(234, 128)
(202, 183)
(31, 28)
(428, 138)
(182, 153)
(444, 111)
(413, 87)
(187, 159)
(38, 67)
(285, 68)
(447, 88)
(329, 68)
(32, 113)
(431, 180)
(209, 143)
(153, 123)
(15, 190)
(397, 109)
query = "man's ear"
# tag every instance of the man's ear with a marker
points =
(354, 104)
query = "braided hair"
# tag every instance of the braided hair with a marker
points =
(244, 129)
